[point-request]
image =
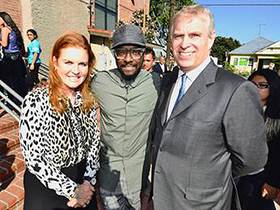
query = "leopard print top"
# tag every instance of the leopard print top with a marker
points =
(51, 141)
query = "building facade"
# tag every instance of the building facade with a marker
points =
(104, 16)
(256, 54)
(96, 19)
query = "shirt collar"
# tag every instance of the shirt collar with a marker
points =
(193, 74)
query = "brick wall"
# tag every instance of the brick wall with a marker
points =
(51, 18)
(126, 8)
(13, 8)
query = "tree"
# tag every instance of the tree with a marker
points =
(150, 29)
(158, 22)
(222, 46)
(162, 12)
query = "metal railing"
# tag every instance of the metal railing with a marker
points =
(44, 70)
(6, 103)
(10, 106)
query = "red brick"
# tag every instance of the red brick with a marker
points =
(21, 174)
(7, 198)
(16, 192)
(12, 163)
(7, 123)
(17, 165)
(19, 183)
(13, 7)
(126, 8)
(20, 206)
(3, 206)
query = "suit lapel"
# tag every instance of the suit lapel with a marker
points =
(197, 90)
(166, 104)
(167, 85)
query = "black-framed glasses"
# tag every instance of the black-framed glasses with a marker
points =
(135, 53)
(261, 85)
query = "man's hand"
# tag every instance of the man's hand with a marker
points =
(73, 203)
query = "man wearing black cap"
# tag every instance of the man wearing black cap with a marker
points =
(127, 98)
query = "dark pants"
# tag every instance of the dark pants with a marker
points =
(39, 197)
(32, 76)
(13, 73)
(249, 190)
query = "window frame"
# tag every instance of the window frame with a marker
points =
(103, 7)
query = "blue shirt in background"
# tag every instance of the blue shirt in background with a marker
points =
(33, 47)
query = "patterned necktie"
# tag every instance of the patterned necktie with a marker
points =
(182, 90)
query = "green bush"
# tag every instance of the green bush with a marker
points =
(234, 70)
(244, 74)
(230, 68)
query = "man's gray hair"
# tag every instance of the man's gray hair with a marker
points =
(195, 10)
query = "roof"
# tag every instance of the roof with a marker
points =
(252, 46)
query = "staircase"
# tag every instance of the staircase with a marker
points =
(11, 164)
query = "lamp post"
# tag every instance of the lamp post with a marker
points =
(144, 17)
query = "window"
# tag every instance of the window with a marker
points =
(235, 61)
(105, 14)
(243, 61)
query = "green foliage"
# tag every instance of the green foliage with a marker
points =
(244, 74)
(234, 70)
(223, 45)
(160, 13)
(157, 22)
(150, 27)
(230, 68)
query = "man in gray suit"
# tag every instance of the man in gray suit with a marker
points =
(208, 124)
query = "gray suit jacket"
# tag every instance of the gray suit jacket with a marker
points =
(215, 133)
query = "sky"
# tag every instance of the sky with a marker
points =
(246, 23)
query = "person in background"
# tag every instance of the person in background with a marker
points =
(13, 69)
(59, 134)
(257, 191)
(208, 124)
(149, 58)
(33, 58)
(148, 65)
(127, 97)
(160, 67)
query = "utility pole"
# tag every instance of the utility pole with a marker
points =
(146, 13)
(144, 17)
(91, 13)
(171, 14)
(260, 28)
